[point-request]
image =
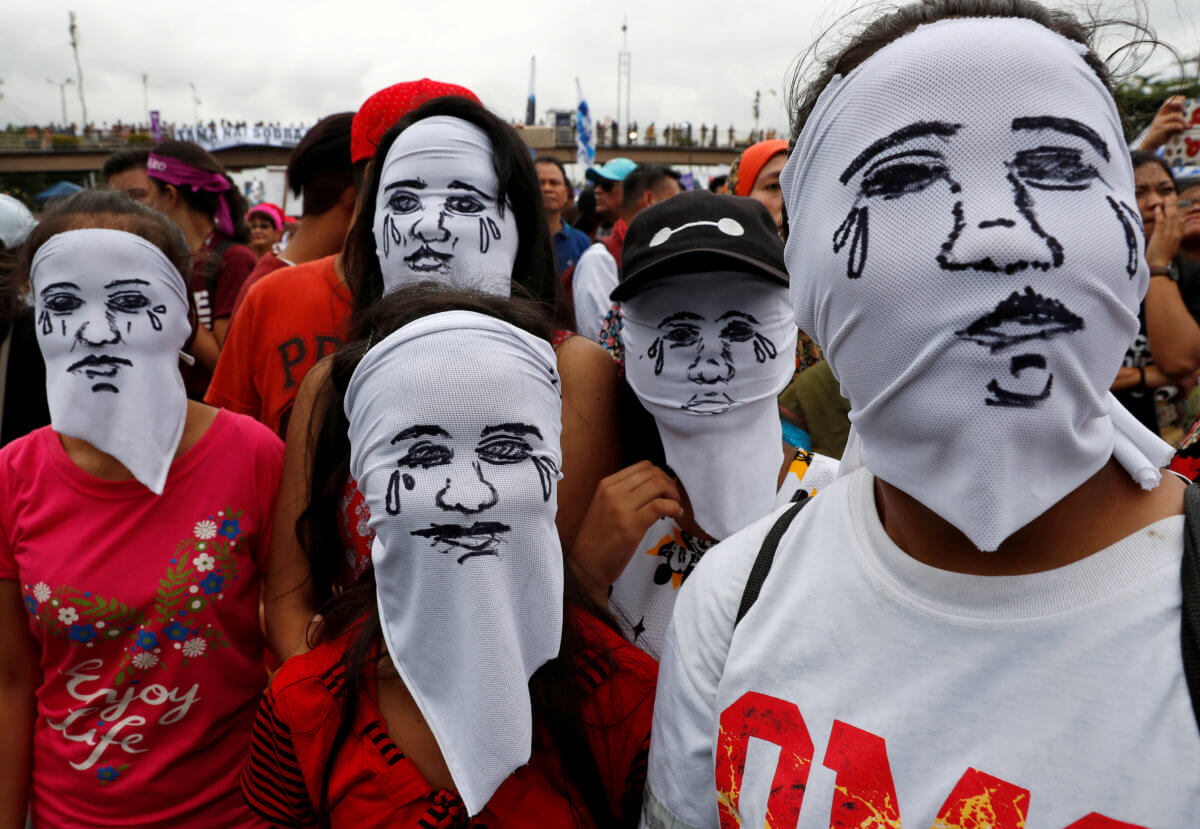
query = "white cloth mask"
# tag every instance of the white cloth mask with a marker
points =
(455, 422)
(436, 214)
(707, 354)
(963, 216)
(112, 315)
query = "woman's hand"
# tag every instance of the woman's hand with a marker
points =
(1168, 122)
(1164, 242)
(625, 506)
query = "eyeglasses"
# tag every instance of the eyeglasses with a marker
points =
(606, 185)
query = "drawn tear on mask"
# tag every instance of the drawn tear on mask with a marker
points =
(708, 349)
(112, 314)
(856, 222)
(438, 214)
(465, 489)
(1132, 232)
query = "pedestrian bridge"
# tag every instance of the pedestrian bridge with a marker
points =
(19, 155)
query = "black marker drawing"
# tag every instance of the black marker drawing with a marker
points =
(1133, 230)
(464, 487)
(1023, 317)
(709, 349)
(415, 218)
(97, 330)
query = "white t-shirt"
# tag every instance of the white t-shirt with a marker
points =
(644, 596)
(900, 691)
(594, 279)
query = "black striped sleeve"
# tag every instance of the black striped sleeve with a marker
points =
(272, 782)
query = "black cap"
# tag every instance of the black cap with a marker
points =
(700, 232)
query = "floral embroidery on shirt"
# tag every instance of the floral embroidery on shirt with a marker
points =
(196, 575)
(680, 553)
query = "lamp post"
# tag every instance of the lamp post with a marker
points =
(195, 105)
(62, 95)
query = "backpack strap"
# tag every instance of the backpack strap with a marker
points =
(1189, 576)
(766, 556)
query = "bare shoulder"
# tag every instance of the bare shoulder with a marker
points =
(585, 362)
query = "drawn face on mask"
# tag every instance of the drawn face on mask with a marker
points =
(451, 487)
(101, 325)
(1017, 197)
(703, 343)
(436, 214)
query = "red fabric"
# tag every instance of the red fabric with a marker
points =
(374, 785)
(354, 516)
(751, 162)
(272, 212)
(614, 242)
(381, 111)
(269, 263)
(290, 319)
(235, 266)
(145, 613)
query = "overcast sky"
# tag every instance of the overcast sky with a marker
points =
(697, 60)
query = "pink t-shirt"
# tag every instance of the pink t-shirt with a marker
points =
(146, 611)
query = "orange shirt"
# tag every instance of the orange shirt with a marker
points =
(290, 319)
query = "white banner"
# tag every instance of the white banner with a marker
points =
(223, 136)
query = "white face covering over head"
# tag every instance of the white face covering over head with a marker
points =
(966, 248)
(112, 315)
(706, 355)
(455, 422)
(436, 214)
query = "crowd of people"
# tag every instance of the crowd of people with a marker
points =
(832, 493)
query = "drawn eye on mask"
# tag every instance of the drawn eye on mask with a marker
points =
(461, 489)
(913, 158)
(710, 352)
(102, 332)
(428, 226)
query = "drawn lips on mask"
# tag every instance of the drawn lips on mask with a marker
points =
(99, 365)
(427, 260)
(1022, 317)
(709, 403)
(479, 539)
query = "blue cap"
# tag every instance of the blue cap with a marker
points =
(615, 170)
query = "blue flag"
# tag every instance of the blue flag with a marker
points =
(585, 138)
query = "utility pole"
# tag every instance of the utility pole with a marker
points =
(757, 101)
(78, 69)
(623, 73)
(146, 95)
(62, 95)
(195, 105)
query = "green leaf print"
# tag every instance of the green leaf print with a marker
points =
(172, 589)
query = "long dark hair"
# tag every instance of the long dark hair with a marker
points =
(533, 269)
(555, 687)
(202, 200)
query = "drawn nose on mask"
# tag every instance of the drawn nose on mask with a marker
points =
(428, 228)
(467, 491)
(710, 366)
(97, 330)
(997, 231)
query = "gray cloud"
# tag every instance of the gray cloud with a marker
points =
(699, 61)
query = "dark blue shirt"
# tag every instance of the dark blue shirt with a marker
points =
(569, 245)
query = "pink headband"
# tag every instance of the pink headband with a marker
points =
(181, 174)
(270, 211)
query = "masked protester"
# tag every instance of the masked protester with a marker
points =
(549, 720)
(982, 615)
(451, 199)
(708, 337)
(134, 535)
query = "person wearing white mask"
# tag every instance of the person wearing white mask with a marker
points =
(133, 533)
(979, 622)
(548, 723)
(451, 199)
(708, 338)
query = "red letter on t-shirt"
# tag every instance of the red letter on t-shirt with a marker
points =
(864, 794)
(982, 800)
(778, 722)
